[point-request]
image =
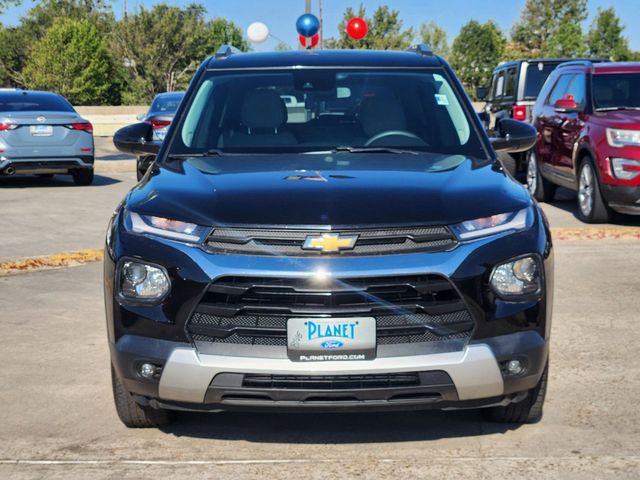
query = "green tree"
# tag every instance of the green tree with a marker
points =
(475, 52)
(160, 48)
(73, 59)
(384, 33)
(550, 28)
(12, 56)
(7, 3)
(19, 41)
(605, 36)
(282, 47)
(433, 35)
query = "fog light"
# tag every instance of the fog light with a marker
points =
(515, 367)
(517, 277)
(147, 370)
(139, 281)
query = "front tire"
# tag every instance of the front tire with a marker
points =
(131, 413)
(540, 188)
(592, 208)
(83, 177)
(528, 410)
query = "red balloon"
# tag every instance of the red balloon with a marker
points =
(357, 28)
(309, 41)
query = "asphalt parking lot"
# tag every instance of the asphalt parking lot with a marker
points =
(57, 417)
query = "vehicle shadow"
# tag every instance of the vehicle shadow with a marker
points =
(336, 428)
(115, 156)
(31, 181)
(566, 200)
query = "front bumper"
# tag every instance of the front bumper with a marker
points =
(191, 378)
(193, 381)
(623, 199)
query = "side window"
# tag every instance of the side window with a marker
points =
(577, 88)
(559, 89)
(499, 85)
(510, 83)
(492, 88)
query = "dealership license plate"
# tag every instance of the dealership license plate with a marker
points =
(41, 130)
(322, 339)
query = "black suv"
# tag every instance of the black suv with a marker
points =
(514, 88)
(359, 249)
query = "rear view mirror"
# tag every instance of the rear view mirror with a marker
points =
(513, 136)
(566, 104)
(136, 139)
(481, 93)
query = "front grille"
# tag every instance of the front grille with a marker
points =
(289, 242)
(254, 311)
(331, 382)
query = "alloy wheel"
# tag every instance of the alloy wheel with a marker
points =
(585, 190)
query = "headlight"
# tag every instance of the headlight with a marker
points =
(494, 224)
(623, 138)
(165, 227)
(625, 169)
(139, 281)
(516, 278)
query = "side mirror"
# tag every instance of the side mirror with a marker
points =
(481, 93)
(140, 117)
(566, 105)
(136, 139)
(513, 136)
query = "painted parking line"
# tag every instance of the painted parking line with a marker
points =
(81, 257)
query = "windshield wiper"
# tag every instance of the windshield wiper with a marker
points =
(374, 150)
(214, 152)
(612, 109)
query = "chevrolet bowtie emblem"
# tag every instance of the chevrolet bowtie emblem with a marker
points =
(330, 242)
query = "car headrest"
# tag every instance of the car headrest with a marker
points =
(263, 109)
(378, 114)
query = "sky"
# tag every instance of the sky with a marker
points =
(280, 15)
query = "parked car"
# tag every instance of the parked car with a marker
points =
(514, 88)
(588, 121)
(380, 259)
(160, 115)
(42, 134)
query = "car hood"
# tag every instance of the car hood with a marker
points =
(328, 190)
(619, 119)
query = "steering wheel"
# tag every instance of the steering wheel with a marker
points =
(389, 133)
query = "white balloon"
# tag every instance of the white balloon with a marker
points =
(257, 32)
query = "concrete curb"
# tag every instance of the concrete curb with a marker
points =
(58, 260)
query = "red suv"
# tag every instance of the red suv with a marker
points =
(588, 121)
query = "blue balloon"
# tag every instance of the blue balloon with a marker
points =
(308, 25)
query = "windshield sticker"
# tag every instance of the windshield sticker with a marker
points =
(441, 99)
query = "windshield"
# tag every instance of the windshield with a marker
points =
(166, 103)
(537, 74)
(33, 102)
(319, 110)
(616, 90)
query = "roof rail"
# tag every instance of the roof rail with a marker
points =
(226, 51)
(421, 49)
(584, 63)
